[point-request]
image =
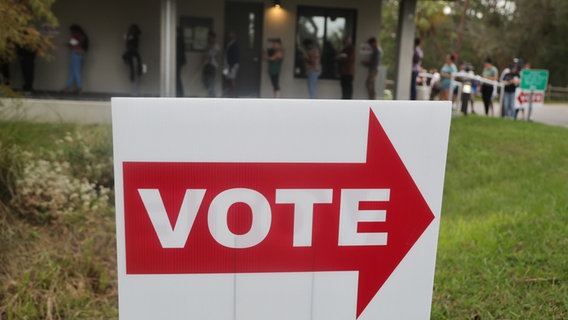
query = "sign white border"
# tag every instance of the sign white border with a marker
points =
(260, 130)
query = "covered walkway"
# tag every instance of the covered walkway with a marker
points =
(107, 21)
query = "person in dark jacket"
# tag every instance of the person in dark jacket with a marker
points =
(132, 56)
(180, 60)
(27, 64)
(346, 61)
(231, 66)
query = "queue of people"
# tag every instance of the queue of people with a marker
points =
(441, 83)
(444, 84)
(213, 62)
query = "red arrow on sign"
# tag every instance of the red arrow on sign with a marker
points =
(205, 218)
(523, 97)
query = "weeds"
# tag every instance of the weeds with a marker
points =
(57, 247)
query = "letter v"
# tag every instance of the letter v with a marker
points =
(169, 237)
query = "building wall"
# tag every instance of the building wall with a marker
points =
(106, 22)
(191, 72)
(282, 23)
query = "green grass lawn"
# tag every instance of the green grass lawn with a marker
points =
(504, 226)
(502, 250)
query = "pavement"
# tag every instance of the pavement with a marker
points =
(56, 111)
(97, 110)
(554, 114)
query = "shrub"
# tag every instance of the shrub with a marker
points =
(55, 184)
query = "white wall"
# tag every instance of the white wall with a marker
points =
(106, 21)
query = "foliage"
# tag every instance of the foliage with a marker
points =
(544, 43)
(501, 29)
(387, 35)
(435, 29)
(53, 184)
(20, 22)
(57, 248)
(45, 190)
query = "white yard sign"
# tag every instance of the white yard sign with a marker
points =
(277, 209)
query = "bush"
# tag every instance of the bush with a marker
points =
(47, 187)
(57, 244)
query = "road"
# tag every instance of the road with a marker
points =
(551, 114)
(51, 110)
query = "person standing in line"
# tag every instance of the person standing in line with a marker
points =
(180, 60)
(346, 61)
(512, 81)
(417, 57)
(446, 72)
(274, 56)
(372, 65)
(27, 64)
(525, 66)
(132, 57)
(313, 67)
(489, 72)
(434, 83)
(231, 69)
(210, 64)
(78, 45)
(474, 86)
(5, 73)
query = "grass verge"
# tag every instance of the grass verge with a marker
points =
(502, 245)
(504, 222)
(57, 244)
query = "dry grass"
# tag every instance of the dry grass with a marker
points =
(57, 245)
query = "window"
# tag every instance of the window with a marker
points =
(326, 27)
(195, 32)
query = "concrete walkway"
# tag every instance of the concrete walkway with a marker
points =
(50, 110)
(85, 112)
(551, 113)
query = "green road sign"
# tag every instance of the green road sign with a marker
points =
(534, 79)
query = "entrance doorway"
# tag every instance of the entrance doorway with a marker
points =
(245, 20)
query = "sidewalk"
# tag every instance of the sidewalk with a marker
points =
(552, 114)
(89, 111)
(555, 114)
(54, 111)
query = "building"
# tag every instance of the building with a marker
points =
(254, 22)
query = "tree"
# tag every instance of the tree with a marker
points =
(20, 25)
(541, 38)
(533, 30)
(437, 32)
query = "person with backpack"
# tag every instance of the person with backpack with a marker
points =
(132, 56)
(78, 45)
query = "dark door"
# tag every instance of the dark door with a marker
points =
(245, 20)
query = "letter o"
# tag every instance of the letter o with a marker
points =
(219, 209)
